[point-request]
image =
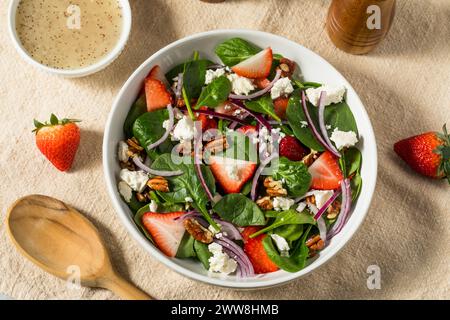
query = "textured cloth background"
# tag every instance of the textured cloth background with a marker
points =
(404, 84)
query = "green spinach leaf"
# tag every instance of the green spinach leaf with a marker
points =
(295, 174)
(194, 78)
(235, 50)
(186, 248)
(353, 159)
(240, 210)
(287, 217)
(356, 185)
(291, 232)
(174, 72)
(203, 254)
(263, 105)
(138, 108)
(215, 93)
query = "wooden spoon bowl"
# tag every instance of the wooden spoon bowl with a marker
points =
(57, 238)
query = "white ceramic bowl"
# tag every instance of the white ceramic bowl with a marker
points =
(73, 73)
(314, 68)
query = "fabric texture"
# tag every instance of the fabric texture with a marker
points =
(404, 85)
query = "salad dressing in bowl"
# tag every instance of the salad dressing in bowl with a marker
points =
(69, 34)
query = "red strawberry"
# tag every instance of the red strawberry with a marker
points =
(227, 108)
(157, 95)
(255, 251)
(291, 148)
(247, 129)
(280, 107)
(427, 153)
(156, 73)
(58, 141)
(262, 83)
(325, 172)
(257, 66)
(165, 230)
(207, 122)
(231, 174)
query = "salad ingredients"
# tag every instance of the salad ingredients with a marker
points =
(280, 106)
(213, 74)
(158, 97)
(281, 244)
(125, 191)
(334, 94)
(122, 151)
(282, 87)
(295, 175)
(427, 153)
(343, 139)
(58, 140)
(220, 261)
(282, 204)
(137, 180)
(292, 149)
(255, 251)
(239, 210)
(240, 85)
(257, 66)
(231, 174)
(325, 172)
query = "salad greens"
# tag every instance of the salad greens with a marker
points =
(295, 175)
(263, 105)
(215, 93)
(236, 50)
(240, 210)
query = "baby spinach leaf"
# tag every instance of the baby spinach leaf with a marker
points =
(291, 232)
(203, 254)
(287, 217)
(174, 72)
(186, 248)
(353, 160)
(187, 184)
(134, 203)
(356, 185)
(247, 188)
(263, 105)
(240, 210)
(295, 174)
(194, 77)
(148, 128)
(340, 116)
(138, 108)
(297, 259)
(215, 93)
(235, 50)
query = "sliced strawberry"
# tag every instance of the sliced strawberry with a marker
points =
(325, 172)
(247, 129)
(262, 83)
(207, 122)
(231, 174)
(157, 95)
(292, 149)
(280, 107)
(255, 251)
(156, 73)
(257, 66)
(165, 230)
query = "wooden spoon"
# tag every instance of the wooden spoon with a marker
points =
(56, 237)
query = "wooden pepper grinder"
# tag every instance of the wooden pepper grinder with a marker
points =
(358, 26)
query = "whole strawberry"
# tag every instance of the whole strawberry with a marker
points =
(427, 153)
(58, 140)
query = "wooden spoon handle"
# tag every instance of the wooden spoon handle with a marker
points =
(124, 289)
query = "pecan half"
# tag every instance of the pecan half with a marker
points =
(265, 203)
(287, 67)
(314, 244)
(310, 158)
(333, 210)
(134, 146)
(158, 184)
(141, 197)
(197, 231)
(274, 188)
(217, 145)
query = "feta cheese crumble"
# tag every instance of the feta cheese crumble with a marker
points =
(322, 196)
(188, 199)
(282, 203)
(303, 124)
(153, 206)
(281, 244)
(334, 94)
(343, 139)
(213, 74)
(125, 191)
(137, 180)
(241, 85)
(301, 207)
(165, 124)
(220, 262)
(122, 151)
(184, 129)
(281, 87)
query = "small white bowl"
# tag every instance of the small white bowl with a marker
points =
(314, 68)
(73, 73)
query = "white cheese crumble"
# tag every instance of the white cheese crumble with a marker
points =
(334, 94)
(153, 206)
(282, 203)
(125, 191)
(303, 124)
(281, 87)
(301, 207)
(281, 244)
(220, 261)
(184, 129)
(137, 180)
(241, 85)
(178, 114)
(188, 199)
(213, 74)
(122, 151)
(343, 139)
(165, 124)
(322, 196)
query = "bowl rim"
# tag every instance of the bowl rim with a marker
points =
(72, 73)
(155, 253)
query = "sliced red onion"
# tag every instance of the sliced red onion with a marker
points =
(241, 270)
(243, 260)
(345, 209)
(189, 214)
(275, 122)
(168, 129)
(198, 168)
(258, 172)
(323, 127)
(179, 86)
(220, 116)
(230, 229)
(258, 93)
(321, 225)
(258, 117)
(148, 161)
(327, 204)
(312, 126)
(142, 166)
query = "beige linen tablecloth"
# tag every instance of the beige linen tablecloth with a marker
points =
(404, 84)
